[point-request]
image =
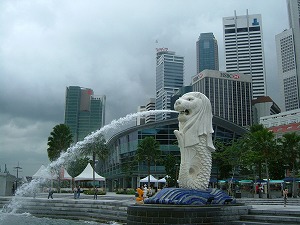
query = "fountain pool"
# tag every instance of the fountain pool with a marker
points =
(27, 219)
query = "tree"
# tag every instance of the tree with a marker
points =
(290, 145)
(261, 149)
(223, 168)
(171, 167)
(77, 166)
(148, 151)
(127, 167)
(59, 141)
(97, 147)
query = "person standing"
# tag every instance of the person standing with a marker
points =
(75, 192)
(145, 192)
(285, 195)
(139, 194)
(50, 193)
(78, 192)
(96, 193)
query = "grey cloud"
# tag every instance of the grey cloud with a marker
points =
(108, 46)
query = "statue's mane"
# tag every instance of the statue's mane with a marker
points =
(199, 124)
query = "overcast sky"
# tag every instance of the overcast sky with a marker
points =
(108, 46)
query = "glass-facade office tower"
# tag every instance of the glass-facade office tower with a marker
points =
(84, 112)
(288, 57)
(207, 52)
(244, 53)
(169, 78)
(229, 93)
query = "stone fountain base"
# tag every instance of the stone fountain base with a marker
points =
(183, 214)
(186, 206)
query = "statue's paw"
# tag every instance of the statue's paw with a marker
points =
(179, 137)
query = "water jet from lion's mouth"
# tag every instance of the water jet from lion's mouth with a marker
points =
(71, 154)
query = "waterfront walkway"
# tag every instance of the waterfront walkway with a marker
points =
(113, 207)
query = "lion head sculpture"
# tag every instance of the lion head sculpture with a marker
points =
(195, 118)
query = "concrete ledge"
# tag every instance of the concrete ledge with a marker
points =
(182, 214)
(83, 209)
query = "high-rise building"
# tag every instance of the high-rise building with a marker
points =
(150, 118)
(288, 57)
(244, 53)
(207, 52)
(84, 112)
(263, 106)
(169, 78)
(229, 93)
(150, 106)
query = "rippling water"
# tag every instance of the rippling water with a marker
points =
(28, 219)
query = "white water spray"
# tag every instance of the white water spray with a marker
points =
(70, 155)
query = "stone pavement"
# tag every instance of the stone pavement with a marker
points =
(277, 208)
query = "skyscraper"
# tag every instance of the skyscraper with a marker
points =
(226, 89)
(169, 78)
(288, 57)
(84, 112)
(244, 53)
(207, 52)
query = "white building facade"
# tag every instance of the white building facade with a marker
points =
(288, 57)
(169, 78)
(244, 53)
(284, 118)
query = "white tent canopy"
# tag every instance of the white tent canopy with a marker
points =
(87, 174)
(152, 179)
(44, 173)
(66, 175)
(162, 180)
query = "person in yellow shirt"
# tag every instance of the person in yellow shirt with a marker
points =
(139, 195)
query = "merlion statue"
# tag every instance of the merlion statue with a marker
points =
(194, 140)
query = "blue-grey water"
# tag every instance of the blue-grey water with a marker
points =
(28, 219)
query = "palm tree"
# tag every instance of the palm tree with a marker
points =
(261, 147)
(95, 148)
(148, 151)
(59, 141)
(171, 167)
(290, 143)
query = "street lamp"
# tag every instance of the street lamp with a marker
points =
(17, 168)
(176, 177)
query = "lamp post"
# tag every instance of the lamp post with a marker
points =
(17, 168)
(177, 165)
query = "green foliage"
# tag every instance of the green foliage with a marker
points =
(148, 151)
(97, 147)
(76, 167)
(127, 167)
(224, 168)
(59, 141)
(127, 191)
(290, 149)
(258, 151)
(171, 166)
(91, 192)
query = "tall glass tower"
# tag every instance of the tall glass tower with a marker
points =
(169, 78)
(207, 52)
(244, 53)
(288, 57)
(84, 112)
